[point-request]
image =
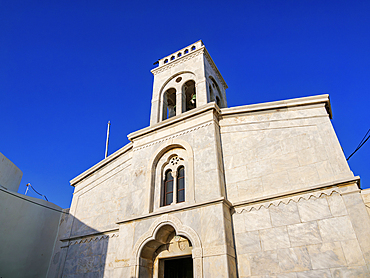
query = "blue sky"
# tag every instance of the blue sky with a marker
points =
(69, 67)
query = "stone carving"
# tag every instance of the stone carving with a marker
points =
(278, 201)
(182, 245)
(174, 160)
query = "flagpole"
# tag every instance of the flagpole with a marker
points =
(107, 141)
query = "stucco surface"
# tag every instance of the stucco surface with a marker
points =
(28, 230)
(10, 174)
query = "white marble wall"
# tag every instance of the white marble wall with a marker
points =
(366, 197)
(311, 237)
(248, 158)
(275, 152)
(99, 197)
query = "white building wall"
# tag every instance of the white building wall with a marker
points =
(10, 175)
(28, 231)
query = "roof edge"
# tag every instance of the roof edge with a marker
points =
(295, 102)
(101, 164)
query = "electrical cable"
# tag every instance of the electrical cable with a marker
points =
(6, 191)
(37, 192)
(363, 141)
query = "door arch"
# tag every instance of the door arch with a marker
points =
(160, 233)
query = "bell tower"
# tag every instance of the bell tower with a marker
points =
(186, 80)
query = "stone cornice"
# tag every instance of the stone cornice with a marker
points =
(173, 120)
(175, 209)
(173, 136)
(282, 104)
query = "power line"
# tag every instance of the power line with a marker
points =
(28, 184)
(363, 141)
(20, 197)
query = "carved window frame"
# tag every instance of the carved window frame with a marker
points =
(173, 164)
(155, 171)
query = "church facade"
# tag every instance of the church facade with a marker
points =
(260, 190)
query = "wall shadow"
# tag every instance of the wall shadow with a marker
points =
(80, 250)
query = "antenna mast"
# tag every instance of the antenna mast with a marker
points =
(107, 141)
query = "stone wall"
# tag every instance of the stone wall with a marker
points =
(274, 151)
(295, 208)
(366, 197)
(316, 234)
(207, 227)
(99, 196)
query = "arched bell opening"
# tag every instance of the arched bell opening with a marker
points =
(169, 104)
(211, 94)
(167, 255)
(218, 101)
(190, 95)
(215, 93)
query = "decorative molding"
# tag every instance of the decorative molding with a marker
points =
(172, 136)
(287, 200)
(92, 239)
(178, 61)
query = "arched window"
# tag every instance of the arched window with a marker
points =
(173, 186)
(181, 184)
(177, 158)
(168, 188)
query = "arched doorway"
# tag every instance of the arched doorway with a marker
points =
(173, 259)
(168, 250)
(167, 256)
